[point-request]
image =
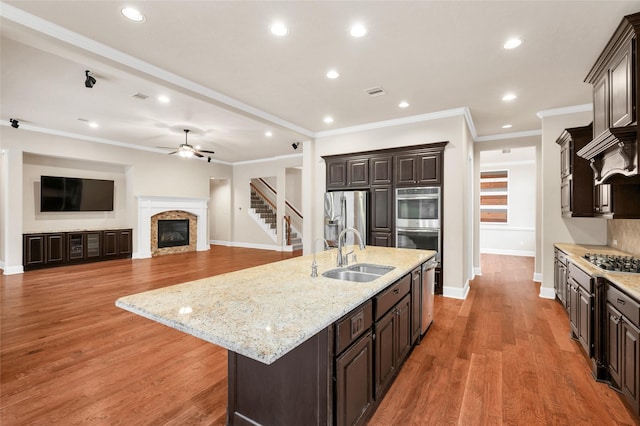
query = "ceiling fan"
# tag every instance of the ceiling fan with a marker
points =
(186, 150)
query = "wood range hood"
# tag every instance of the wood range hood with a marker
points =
(613, 152)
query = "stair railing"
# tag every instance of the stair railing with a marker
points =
(263, 197)
(287, 230)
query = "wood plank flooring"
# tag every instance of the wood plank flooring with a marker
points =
(69, 356)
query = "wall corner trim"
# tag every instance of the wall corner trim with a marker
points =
(13, 270)
(456, 292)
(537, 277)
(547, 292)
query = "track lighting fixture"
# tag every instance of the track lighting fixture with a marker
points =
(89, 81)
(14, 123)
(208, 159)
(295, 145)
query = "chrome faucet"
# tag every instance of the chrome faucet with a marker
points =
(343, 260)
(314, 265)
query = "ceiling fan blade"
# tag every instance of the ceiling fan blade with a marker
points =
(166, 147)
(174, 152)
(197, 154)
(208, 152)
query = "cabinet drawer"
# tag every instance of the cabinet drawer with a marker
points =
(625, 304)
(581, 277)
(392, 295)
(353, 325)
(562, 257)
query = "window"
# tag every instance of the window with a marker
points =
(494, 196)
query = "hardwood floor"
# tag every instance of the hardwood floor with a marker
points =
(69, 356)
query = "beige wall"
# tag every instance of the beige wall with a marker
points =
(555, 228)
(456, 200)
(625, 233)
(220, 211)
(136, 173)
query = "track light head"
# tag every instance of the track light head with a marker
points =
(295, 145)
(14, 123)
(209, 159)
(89, 81)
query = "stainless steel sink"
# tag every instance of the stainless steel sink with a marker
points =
(361, 273)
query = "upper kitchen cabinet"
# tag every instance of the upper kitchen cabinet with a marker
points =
(422, 168)
(381, 170)
(612, 152)
(347, 173)
(576, 193)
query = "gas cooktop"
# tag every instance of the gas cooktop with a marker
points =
(614, 263)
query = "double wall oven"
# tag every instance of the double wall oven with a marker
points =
(418, 219)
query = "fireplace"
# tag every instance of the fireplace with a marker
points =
(173, 233)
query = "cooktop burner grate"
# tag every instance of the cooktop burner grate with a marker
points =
(614, 263)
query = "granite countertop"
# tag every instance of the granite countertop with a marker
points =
(628, 282)
(266, 311)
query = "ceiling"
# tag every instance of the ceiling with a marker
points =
(230, 80)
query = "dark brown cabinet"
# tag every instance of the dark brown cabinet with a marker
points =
(581, 307)
(576, 188)
(358, 173)
(623, 344)
(381, 170)
(347, 173)
(382, 221)
(63, 248)
(620, 201)
(418, 169)
(336, 174)
(560, 277)
(416, 297)
(602, 199)
(381, 239)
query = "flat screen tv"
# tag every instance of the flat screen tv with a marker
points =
(66, 194)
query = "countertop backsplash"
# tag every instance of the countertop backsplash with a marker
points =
(627, 234)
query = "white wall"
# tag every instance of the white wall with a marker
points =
(557, 229)
(145, 173)
(220, 211)
(518, 236)
(456, 192)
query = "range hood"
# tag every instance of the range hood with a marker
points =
(613, 152)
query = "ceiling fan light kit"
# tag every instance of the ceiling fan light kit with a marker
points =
(186, 150)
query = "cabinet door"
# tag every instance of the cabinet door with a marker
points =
(336, 174)
(381, 239)
(429, 166)
(613, 333)
(566, 196)
(405, 166)
(603, 199)
(33, 250)
(573, 307)
(416, 297)
(94, 246)
(385, 358)
(620, 89)
(381, 208)
(630, 360)
(563, 285)
(601, 105)
(584, 320)
(565, 159)
(125, 241)
(75, 246)
(403, 324)
(381, 169)
(55, 248)
(110, 243)
(354, 382)
(358, 173)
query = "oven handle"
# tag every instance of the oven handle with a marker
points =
(422, 230)
(417, 197)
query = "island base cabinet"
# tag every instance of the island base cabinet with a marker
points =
(294, 390)
(630, 359)
(354, 383)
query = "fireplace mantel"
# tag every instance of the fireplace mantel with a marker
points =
(152, 205)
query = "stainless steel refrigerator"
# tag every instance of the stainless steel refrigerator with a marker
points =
(345, 209)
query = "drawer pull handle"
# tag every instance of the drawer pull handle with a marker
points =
(616, 320)
(620, 301)
(396, 290)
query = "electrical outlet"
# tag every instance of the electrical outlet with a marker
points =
(614, 243)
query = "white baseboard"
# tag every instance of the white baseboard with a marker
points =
(220, 243)
(477, 272)
(141, 255)
(273, 247)
(547, 292)
(456, 292)
(12, 270)
(506, 252)
(537, 277)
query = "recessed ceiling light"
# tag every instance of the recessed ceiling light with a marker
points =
(279, 29)
(328, 119)
(509, 97)
(333, 74)
(133, 14)
(164, 99)
(93, 124)
(507, 126)
(403, 104)
(512, 43)
(268, 134)
(198, 147)
(358, 30)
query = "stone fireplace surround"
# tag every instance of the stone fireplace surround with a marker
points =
(149, 206)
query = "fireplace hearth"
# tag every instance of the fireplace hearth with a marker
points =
(173, 233)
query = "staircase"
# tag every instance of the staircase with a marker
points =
(269, 218)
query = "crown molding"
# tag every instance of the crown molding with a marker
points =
(514, 135)
(564, 111)
(264, 160)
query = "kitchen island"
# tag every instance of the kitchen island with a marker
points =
(282, 329)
